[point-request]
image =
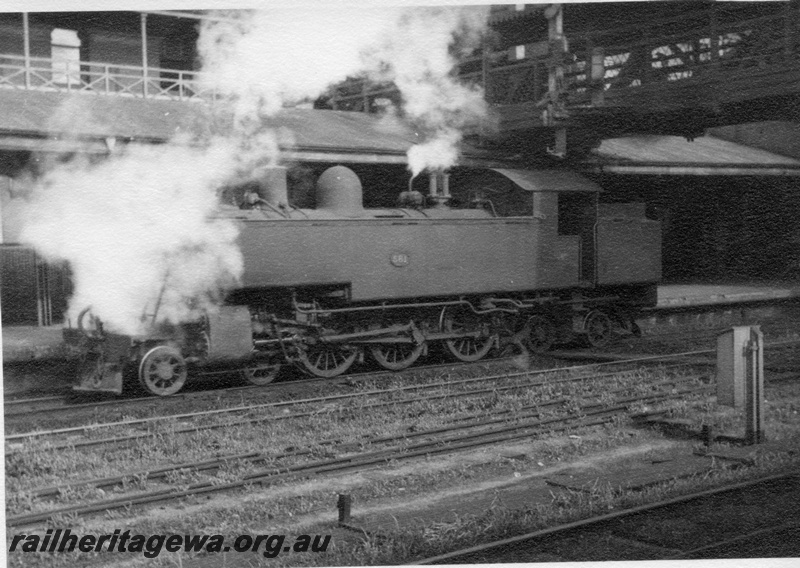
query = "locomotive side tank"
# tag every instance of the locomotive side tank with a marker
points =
(530, 264)
(405, 253)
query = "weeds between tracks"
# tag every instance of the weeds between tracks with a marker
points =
(244, 511)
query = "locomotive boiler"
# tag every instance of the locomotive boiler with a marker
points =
(468, 266)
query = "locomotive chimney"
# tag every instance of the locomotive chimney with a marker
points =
(445, 185)
(439, 184)
(272, 185)
(433, 186)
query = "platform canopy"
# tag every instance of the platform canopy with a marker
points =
(674, 155)
(80, 122)
(549, 180)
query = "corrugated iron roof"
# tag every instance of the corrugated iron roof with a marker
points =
(96, 116)
(364, 137)
(331, 129)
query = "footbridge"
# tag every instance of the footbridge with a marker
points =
(710, 64)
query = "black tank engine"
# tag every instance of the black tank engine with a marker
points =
(534, 260)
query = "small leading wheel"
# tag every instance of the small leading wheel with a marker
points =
(327, 359)
(260, 375)
(162, 370)
(598, 328)
(539, 333)
(467, 349)
(396, 356)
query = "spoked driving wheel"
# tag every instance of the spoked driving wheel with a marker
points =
(598, 328)
(396, 356)
(327, 359)
(260, 375)
(469, 348)
(162, 370)
(539, 333)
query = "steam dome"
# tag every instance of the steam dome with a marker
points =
(339, 190)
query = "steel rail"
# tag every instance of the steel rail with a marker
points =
(742, 537)
(119, 402)
(452, 557)
(330, 398)
(431, 447)
(13, 401)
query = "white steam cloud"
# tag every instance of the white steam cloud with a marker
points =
(137, 232)
(419, 56)
(267, 59)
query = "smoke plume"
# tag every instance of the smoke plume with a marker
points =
(269, 59)
(419, 55)
(137, 232)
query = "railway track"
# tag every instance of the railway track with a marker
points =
(493, 417)
(84, 436)
(751, 519)
(521, 379)
(22, 405)
(462, 435)
(458, 434)
(165, 483)
(25, 409)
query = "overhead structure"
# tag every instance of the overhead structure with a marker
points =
(604, 70)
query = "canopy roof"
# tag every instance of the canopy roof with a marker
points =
(674, 155)
(549, 180)
(45, 121)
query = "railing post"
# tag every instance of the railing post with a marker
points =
(106, 79)
(597, 73)
(713, 34)
(754, 399)
(144, 54)
(26, 39)
(485, 71)
(365, 96)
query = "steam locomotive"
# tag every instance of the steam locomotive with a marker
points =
(472, 263)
